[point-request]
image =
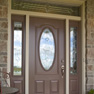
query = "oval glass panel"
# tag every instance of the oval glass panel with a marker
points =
(47, 49)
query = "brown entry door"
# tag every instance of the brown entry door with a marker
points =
(46, 56)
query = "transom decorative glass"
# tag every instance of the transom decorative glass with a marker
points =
(47, 49)
(44, 7)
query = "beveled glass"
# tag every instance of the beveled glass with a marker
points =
(47, 49)
(73, 50)
(17, 54)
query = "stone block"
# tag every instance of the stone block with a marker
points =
(3, 36)
(90, 16)
(90, 61)
(2, 30)
(90, 67)
(88, 34)
(4, 19)
(4, 69)
(92, 36)
(90, 23)
(88, 45)
(5, 12)
(89, 87)
(89, 42)
(1, 13)
(0, 7)
(3, 65)
(3, 59)
(90, 81)
(3, 46)
(3, 53)
(90, 53)
(4, 25)
(90, 73)
(3, 2)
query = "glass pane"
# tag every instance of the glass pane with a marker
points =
(73, 50)
(47, 49)
(17, 64)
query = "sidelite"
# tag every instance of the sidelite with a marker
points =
(18, 52)
(47, 49)
(73, 50)
(17, 59)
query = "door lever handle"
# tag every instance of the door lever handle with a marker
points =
(62, 70)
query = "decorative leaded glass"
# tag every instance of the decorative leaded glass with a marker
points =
(47, 49)
(73, 50)
(47, 7)
(17, 60)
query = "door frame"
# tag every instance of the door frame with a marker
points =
(55, 16)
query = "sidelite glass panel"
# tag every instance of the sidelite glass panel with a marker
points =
(73, 50)
(17, 60)
(47, 49)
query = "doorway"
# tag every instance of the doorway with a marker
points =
(49, 67)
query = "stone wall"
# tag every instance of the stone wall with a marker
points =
(90, 44)
(3, 34)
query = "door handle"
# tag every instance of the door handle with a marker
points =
(62, 70)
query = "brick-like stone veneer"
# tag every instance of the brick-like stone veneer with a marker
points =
(3, 34)
(90, 44)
